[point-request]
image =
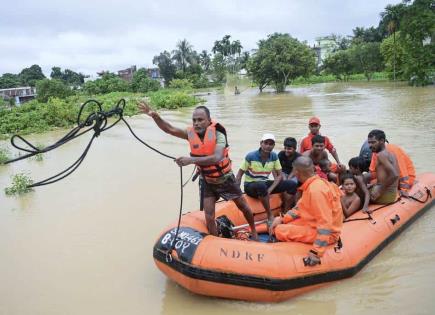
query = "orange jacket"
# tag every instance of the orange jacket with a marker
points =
(207, 147)
(320, 208)
(406, 167)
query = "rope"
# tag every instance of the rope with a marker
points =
(369, 217)
(98, 122)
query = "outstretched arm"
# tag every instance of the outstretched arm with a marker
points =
(160, 122)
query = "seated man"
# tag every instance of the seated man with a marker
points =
(385, 190)
(287, 157)
(318, 153)
(257, 167)
(317, 218)
(405, 165)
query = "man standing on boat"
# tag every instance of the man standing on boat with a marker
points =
(209, 152)
(317, 217)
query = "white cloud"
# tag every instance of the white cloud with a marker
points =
(89, 36)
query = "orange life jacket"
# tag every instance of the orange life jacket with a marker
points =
(207, 147)
(406, 167)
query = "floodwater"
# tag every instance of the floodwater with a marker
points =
(84, 245)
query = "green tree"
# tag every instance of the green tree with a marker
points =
(366, 58)
(51, 88)
(394, 54)
(283, 58)
(366, 35)
(142, 83)
(68, 76)
(109, 82)
(229, 50)
(29, 76)
(389, 24)
(166, 67)
(219, 68)
(9, 80)
(205, 60)
(418, 28)
(339, 64)
(183, 55)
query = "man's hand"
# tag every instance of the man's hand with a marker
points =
(145, 108)
(341, 167)
(366, 210)
(311, 260)
(183, 161)
(275, 223)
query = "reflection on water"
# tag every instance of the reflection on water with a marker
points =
(84, 245)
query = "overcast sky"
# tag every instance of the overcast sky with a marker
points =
(92, 35)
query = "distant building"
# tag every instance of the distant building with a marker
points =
(325, 46)
(20, 94)
(154, 73)
(127, 74)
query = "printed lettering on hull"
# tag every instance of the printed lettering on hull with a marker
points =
(186, 244)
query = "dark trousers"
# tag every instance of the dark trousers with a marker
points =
(259, 189)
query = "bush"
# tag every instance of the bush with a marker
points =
(51, 88)
(20, 183)
(184, 84)
(4, 155)
(172, 99)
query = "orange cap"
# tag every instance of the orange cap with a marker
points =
(314, 120)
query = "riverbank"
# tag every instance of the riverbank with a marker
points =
(38, 117)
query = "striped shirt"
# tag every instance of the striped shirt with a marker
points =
(257, 170)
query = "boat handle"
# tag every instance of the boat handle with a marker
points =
(395, 219)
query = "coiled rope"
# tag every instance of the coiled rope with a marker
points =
(97, 121)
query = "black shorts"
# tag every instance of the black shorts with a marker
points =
(259, 189)
(228, 190)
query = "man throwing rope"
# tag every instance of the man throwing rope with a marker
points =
(209, 152)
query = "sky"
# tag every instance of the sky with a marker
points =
(93, 35)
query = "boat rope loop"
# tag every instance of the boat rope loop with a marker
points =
(369, 216)
(96, 120)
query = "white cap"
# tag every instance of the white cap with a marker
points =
(268, 136)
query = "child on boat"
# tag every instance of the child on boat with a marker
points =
(356, 166)
(350, 201)
(326, 166)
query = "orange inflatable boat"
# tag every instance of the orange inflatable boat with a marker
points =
(271, 272)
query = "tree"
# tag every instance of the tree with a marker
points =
(51, 88)
(29, 76)
(109, 82)
(339, 64)
(282, 58)
(70, 77)
(366, 58)
(366, 35)
(218, 67)
(183, 55)
(394, 54)
(389, 24)
(228, 49)
(205, 60)
(418, 28)
(142, 83)
(166, 67)
(9, 80)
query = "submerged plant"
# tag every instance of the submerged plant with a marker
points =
(4, 155)
(39, 157)
(20, 185)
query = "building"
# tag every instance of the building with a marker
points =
(20, 94)
(127, 74)
(325, 46)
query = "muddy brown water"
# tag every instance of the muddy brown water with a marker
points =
(84, 245)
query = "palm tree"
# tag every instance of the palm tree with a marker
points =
(204, 59)
(183, 54)
(390, 20)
